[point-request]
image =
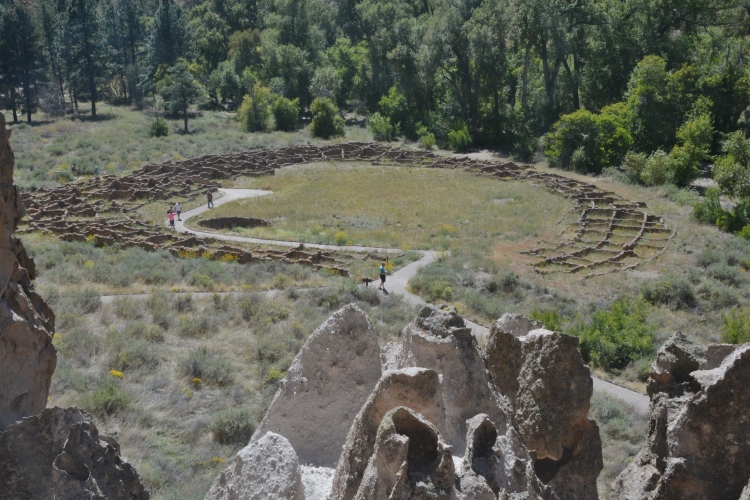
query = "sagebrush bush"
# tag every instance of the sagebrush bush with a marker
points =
(233, 425)
(127, 308)
(617, 335)
(195, 326)
(673, 291)
(107, 399)
(135, 354)
(207, 366)
(87, 300)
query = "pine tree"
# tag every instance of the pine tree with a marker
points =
(180, 90)
(85, 46)
(169, 35)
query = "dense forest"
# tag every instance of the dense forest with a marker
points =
(657, 87)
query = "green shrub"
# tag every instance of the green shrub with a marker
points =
(128, 309)
(634, 164)
(79, 343)
(588, 142)
(657, 169)
(106, 399)
(381, 127)
(428, 141)
(202, 281)
(615, 336)
(255, 111)
(675, 292)
(160, 128)
(506, 283)
(273, 376)
(203, 364)
(326, 122)
(233, 426)
(459, 140)
(286, 113)
(732, 171)
(183, 302)
(736, 326)
(550, 318)
(718, 295)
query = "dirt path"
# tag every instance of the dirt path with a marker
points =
(396, 282)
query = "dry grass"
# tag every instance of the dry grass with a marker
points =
(178, 389)
(400, 207)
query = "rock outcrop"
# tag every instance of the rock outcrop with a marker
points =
(550, 406)
(60, 454)
(264, 469)
(697, 446)
(410, 460)
(418, 389)
(27, 356)
(439, 340)
(326, 386)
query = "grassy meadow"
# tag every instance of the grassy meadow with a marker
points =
(397, 207)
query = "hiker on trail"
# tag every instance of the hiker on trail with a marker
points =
(74, 170)
(170, 216)
(210, 199)
(178, 209)
(96, 170)
(382, 276)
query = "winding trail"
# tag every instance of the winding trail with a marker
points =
(396, 282)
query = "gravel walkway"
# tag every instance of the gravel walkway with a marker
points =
(396, 282)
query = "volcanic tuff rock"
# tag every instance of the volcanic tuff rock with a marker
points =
(417, 388)
(697, 446)
(439, 340)
(264, 469)
(27, 356)
(517, 325)
(60, 454)
(324, 389)
(550, 406)
(409, 460)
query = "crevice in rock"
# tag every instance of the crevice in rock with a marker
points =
(546, 468)
(423, 455)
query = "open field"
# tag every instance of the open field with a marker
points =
(395, 207)
(118, 142)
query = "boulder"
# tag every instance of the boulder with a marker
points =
(517, 325)
(409, 460)
(325, 387)
(60, 454)
(266, 468)
(745, 493)
(416, 388)
(550, 406)
(441, 341)
(697, 446)
(27, 356)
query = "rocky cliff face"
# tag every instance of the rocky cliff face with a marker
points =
(698, 443)
(437, 402)
(53, 453)
(27, 356)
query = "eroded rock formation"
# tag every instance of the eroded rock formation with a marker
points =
(27, 356)
(550, 387)
(439, 340)
(324, 389)
(697, 446)
(410, 460)
(264, 469)
(60, 454)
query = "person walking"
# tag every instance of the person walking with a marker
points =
(210, 199)
(178, 209)
(170, 216)
(382, 276)
(74, 170)
(96, 170)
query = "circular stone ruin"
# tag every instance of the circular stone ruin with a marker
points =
(232, 222)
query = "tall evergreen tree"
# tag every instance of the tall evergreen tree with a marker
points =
(22, 55)
(85, 46)
(180, 90)
(169, 35)
(51, 20)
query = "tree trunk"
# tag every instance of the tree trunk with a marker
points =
(184, 114)
(525, 77)
(13, 104)
(92, 90)
(27, 98)
(574, 80)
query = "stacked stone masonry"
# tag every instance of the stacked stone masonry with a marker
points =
(603, 232)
